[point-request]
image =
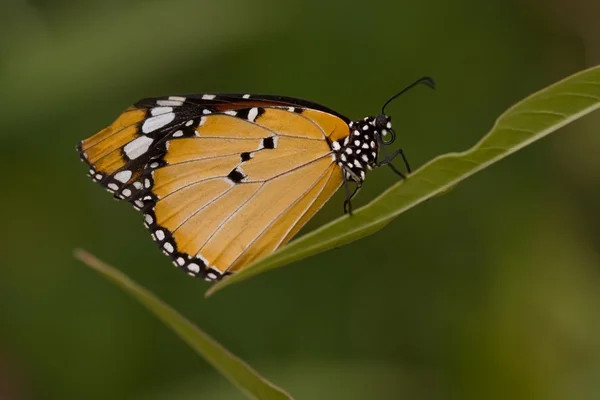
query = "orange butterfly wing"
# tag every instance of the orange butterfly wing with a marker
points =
(222, 180)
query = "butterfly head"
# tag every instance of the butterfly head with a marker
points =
(383, 128)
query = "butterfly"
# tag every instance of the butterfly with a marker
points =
(225, 179)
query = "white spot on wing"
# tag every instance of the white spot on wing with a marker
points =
(336, 146)
(246, 96)
(160, 235)
(157, 122)
(178, 133)
(138, 185)
(231, 112)
(137, 147)
(167, 103)
(113, 186)
(168, 247)
(161, 110)
(208, 96)
(123, 176)
(177, 98)
(126, 192)
(252, 114)
(193, 267)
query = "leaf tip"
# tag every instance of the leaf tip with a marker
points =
(211, 290)
(82, 255)
(88, 259)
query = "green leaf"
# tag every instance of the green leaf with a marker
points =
(524, 123)
(231, 367)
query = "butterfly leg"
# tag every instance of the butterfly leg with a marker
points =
(349, 195)
(401, 152)
(388, 161)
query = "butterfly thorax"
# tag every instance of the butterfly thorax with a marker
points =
(357, 152)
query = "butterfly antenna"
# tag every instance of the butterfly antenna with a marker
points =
(426, 80)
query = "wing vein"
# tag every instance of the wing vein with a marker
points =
(276, 217)
(289, 170)
(190, 184)
(228, 218)
(248, 182)
(200, 209)
(308, 208)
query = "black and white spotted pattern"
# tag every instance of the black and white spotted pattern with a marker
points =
(357, 153)
(195, 266)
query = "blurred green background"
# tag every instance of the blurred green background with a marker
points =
(491, 291)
